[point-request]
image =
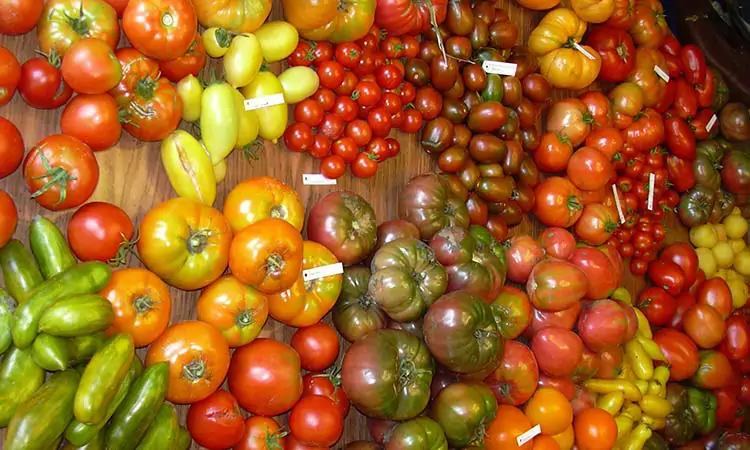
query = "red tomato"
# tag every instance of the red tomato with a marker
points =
(191, 63)
(429, 102)
(90, 67)
(615, 46)
(704, 325)
(364, 166)
(265, 377)
(298, 137)
(322, 51)
(680, 351)
(391, 102)
(262, 433)
(367, 93)
(321, 146)
(517, 376)
(378, 148)
(348, 53)
(11, 147)
(715, 292)
(19, 16)
(557, 350)
(10, 73)
(94, 119)
(302, 55)
(389, 76)
(327, 385)
(736, 342)
(553, 153)
(346, 108)
(42, 85)
(160, 29)
(407, 92)
(309, 111)
(347, 85)
(684, 302)
(669, 276)
(412, 121)
(657, 305)
(596, 224)
(714, 371)
(316, 420)
(332, 167)
(100, 232)
(61, 172)
(345, 148)
(360, 131)
(680, 138)
(728, 411)
(216, 422)
(332, 126)
(557, 202)
(380, 121)
(8, 218)
(331, 74)
(394, 147)
(317, 345)
(589, 169)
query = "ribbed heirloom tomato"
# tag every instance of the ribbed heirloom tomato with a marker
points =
(261, 197)
(64, 22)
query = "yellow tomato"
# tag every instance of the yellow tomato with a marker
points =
(190, 91)
(272, 120)
(220, 171)
(217, 41)
(188, 167)
(706, 261)
(738, 288)
(742, 263)
(248, 125)
(569, 68)
(723, 254)
(243, 60)
(593, 11)
(555, 30)
(721, 232)
(278, 39)
(704, 236)
(736, 226)
(219, 120)
(738, 245)
(298, 83)
(538, 5)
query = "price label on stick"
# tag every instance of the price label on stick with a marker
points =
(585, 52)
(532, 432)
(322, 271)
(316, 179)
(711, 123)
(617, 204)
(263, 102)
(651, 181)
(661, 73)
(500, 68)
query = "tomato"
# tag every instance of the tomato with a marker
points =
(736, 342)
(553, 153)
(261, 433)
(19, 16)
(714, 371)
(11, 147)
(317, 345)
(429, 102)
(347, 54)
(680, 138)
(715, 292)
(326, 385)
(94, 119)
(10, 75)
(412, 121)
(570, 118)
(101, 232)
(378, 148)
(380, 121)
(160, 29)
(331, 74)
(198, 358)
(646, 132)
(332, 167)
(365, 165)
(589, 169)
(118, 5)
(367, 93)
(321, 146)
(347, 84)
(64, 22)
(9, 219)
(315, 420)
(185, 243)
(399, 17)
(557, 203)
(360, 131)
(260, 197)
(595, 429)
(191, 63)
(680, 351)
(308, 111)
(216, 422)
(391, 102)
(61, 172)
(332, 126)
(615, 46)
(345, 108)
(389, 76)
(509, 423)
(394, 147)
(596, 224)
(657, 305)
(265, 377)
(42, 85)
(515, 380)
(649, 26)
(298, 137)
(705, 325)
(90, 67)
(558, 351)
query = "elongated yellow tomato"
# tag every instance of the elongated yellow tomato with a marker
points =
(220, 171)
(188, 167)
(217, 41)
(568, 68)
(593, 11)
(278, 39)
(191, 92)
(243, 60)
(185, 242)
(558, 28)
(298, 83)
(272, 119)
(248, 125)
(219, 120)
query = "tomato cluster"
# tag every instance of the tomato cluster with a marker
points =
(362, 97)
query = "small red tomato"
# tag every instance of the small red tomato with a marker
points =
(345, 148)
(332, 167)
(380, 121)
(325, 98)
(346, 108)
(378, 148)
(331, 74)
(391, 102)
(360, 131)
(367, 93)
(8, 217)
(216, 422)
(407, 92)
(412, 121)
(736, 342)
(348, 53)
(364, 166)
(389, 76)
(326, 385)
(657, 305)
(317, 345)
(298, 137)
(316, 420)
(394, 147)
(332, 126)
(322, 51)
(321, 146)
(308, 111)
(347, 84)
(302, 55)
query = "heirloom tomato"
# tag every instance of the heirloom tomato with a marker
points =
(399, 17)
(430, 203)
(705, 325)
(512, 311)
(646, 132)
(509, 423)
(152, 105)
(355, 313)
(10, 218)
(345, 223)
(265, 377)
(736, 343)
(94, 119)
(331, 21)
(680, 351)
(522, 254)
(595, 429)
(316, 420)
(557, 242)
(238, 311)
(267, 255)
(19, 16)
(597, 223)
(644, 75)
(714, 371)
(263, 197)
(190, 63)
(558, 351)
(305, 302)
(553, 153)
(599, 271)
(42, 85)
(61, 172)
(463, 410)
(64, 22)
(657, 305)
(649, 28)
(100, 232)
(318, 347)
(216, 421)
(570, 118)
(715, 292)
(557, 202)
(556, 285)
(589, 169)
(185, 243)
(262, 433)
(551, 410)
(615, 46)
(160, 29)
(90, 67)
(11, 147)
(515, 379)
(198, 357)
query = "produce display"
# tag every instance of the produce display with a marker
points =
(571, 273)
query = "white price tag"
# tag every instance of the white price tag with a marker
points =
(711, 123)
(316, 179)
(651, 181)
(585, 52)
(529, 435)
(617, 204)
(262, 102)
(661, 73)
(322, 271)
(500, 68)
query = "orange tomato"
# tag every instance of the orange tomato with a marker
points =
(267, 255)
(566, 439)
(538, 5)
(595, 429)
(545, 443)
(262, 197)
(198, 357)
(551, 410)
(509, 423)
(236, 310)
(306, 302)
(141, 303)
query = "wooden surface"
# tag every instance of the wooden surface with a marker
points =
(132, 177)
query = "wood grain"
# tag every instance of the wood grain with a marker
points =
(132, 177)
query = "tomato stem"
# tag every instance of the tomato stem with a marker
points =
(245, 319)
(197, 241)
(274, 263)
(194, 370)
(125, 249)
(278, 212)
(56, 176)
(143, 304)
(80, 24)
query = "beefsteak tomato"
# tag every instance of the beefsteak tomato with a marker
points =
(262, 197)
(399, 17)
(556, 285)
(616, 48)
(516, 378)
(160, 29)
(336, 21)
(345, 223)
(429, 202)
(64, 22)
(464, 410)
(557, 202)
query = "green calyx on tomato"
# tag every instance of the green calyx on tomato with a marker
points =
(56, 176)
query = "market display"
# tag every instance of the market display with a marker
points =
(446, 326)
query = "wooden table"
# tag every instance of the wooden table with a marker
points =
(132, 177)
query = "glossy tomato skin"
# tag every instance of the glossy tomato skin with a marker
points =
(96, 19)
(265, 377)
(90, 67)
(714, 371)
(216, 421)
(736, 342)
(42, 85)
(261, 433)
(680, 351)
(400, 17)
(190, 63)
(261, 197)
(616, 48)
(9, 217)
(705, 325)
(327, 385)
(557, 202)
(194, 348)
(315, 420)
(599, 271)
(19, 16)
(715, 292)
(10, 75)
(97, 230)
(161, 29)
(509, 423)
(556, 285)
(513, 311)
(317, 345)
(345, 223)
(558, 351)
(11, 147)
(63, 154)
(94, 119)
(516, 378)
(657, 305)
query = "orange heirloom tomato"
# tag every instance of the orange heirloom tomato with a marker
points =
(306, 302)
(239, 16)
(160, 29)
(198, 357)
(141, 303)
(566, 439)
(593, 11)
(335, 21)
(267, 255)
(262, 197)
(538, 5)
(185, 243)
(550, 409)
(236, 310)
(509, 423)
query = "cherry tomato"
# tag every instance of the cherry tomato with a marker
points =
(325, 98)
(11, 148)
(345, 108)
(348, 53)
(412, 121)
(322, 51)
(394, 147)
(42, 85)
(389, 76)
(367, 93)
(321, 146)
(380, 121)
(365, 165)
(392, 47)
(317, 345)
(391, 102)
(332, 126)
(332, 167)
(411, 46)
(331, 74)
(365, 65)
(298, 137)
(216, 422)
(378, 148)
(347, 84)
(309, 111)
(345, 148)
(10, 74)
(407, 92)
(100, 232)
(302, 55)
(326, 385)
(360, 131)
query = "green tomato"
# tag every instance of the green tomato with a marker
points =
(298, 83)
(243, 60)
(217, 41)
(190, 91)
(278, 39)
(219, 120)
